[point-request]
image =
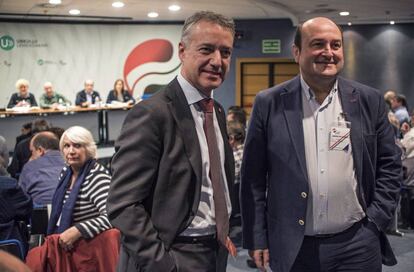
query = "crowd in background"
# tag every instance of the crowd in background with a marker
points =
(403, 123)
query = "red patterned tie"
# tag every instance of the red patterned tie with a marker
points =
(222, 220)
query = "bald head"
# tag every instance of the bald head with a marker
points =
(42, 142)
(318, 50)
(322, 21)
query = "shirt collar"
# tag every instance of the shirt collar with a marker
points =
(191, 94)
(308, 91)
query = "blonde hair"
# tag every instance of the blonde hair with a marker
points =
(82, 136)
(21, 82)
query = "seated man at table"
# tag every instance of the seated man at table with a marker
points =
(87, 96)
(22, 97)
(50, 98)
(40, 175)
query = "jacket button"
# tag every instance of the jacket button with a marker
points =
(304, 195)
(301, 222)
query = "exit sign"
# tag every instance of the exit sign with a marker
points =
(271, 46)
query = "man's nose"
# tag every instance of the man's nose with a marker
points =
(216, 58)
(327, 51)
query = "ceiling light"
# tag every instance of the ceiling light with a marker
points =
(74, 12)
(174, 8)
(344, 13)
(392, 22)
(118, 4)
(349, 23)
(153, 14)
(55, 2)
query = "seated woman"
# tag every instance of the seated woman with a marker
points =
(79, 202)
(120, 94)
(22, 97)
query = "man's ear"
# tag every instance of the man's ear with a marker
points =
(41, 150)
(296, 53)
(181, 49)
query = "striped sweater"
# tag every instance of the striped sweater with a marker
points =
(89, 215)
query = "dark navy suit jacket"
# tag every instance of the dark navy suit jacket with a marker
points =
(81, 97)
(15, 207)
(274, 170)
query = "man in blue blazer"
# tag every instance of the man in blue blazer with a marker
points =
(87, 96)
(321, 171)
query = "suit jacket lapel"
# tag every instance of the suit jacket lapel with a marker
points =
(292, 107)
(352, 108)
(182, 114)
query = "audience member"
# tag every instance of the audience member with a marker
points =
(15, 211)
(26, 132)
(50, 98)
(389, 96)
(399, 107)
(407, 201)
(21, 153)
(120, 94)
(4, 157)
(236, 113)
(87, 96)
(79, 202)
(40, 175)
(236, 133)
(22, 97)
(58, 131)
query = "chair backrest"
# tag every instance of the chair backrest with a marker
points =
(13, 247)
(39, 220)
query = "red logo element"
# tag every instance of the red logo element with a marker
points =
(156, 50)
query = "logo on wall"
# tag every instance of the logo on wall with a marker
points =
(6, 42)
(147, 52)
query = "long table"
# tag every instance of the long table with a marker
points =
(104, 122)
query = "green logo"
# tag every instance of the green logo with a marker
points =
(6, 42)
(40, 62)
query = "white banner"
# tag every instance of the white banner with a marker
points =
(67, 55)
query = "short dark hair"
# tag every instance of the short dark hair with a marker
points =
(40, 125)
(239, 114)
(47, 140)
(401, 99)
(27, 125)
(298, 35)
(236, 130)
(58, 131)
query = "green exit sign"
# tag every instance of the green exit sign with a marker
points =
(271, 46)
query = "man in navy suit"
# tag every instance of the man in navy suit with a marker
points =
(87, 96)
(321, 171)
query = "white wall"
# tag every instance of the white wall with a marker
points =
(67, 54)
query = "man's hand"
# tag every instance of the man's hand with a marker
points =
(260, 257)
(69, 237)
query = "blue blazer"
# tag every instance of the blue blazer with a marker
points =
(274, 170)
(81, 97)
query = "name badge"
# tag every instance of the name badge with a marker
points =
(339, 138)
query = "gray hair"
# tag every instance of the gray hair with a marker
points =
(82, 136)
(89, 81)
(207, 16)
(21, 82)
(47, 84)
